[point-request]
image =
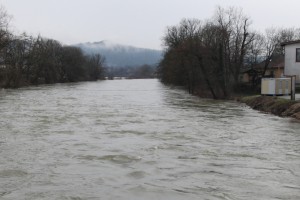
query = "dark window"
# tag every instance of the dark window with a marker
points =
(298, 55)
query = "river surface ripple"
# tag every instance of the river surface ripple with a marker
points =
(138, 139)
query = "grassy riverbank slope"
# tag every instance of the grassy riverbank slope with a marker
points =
(274, 105)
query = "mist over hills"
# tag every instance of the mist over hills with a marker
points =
(118, 55)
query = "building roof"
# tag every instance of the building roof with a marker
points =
(290, 42)
(276, 63)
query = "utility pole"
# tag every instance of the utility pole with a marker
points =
(293, 88)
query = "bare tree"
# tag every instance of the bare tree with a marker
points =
(256, 49)
(15, 61)
(209, 54)
(72, 68)
(4, 25)
(5, 37)
(45, 60)
(191, 52)
(271, 42)
(272, 39)
(236, 38)
(95, 66)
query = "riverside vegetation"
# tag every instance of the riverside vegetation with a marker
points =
(207, 57)
(27, 60)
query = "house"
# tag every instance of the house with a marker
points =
(292, 59)
(275, 69)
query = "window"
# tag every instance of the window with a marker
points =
(297, 54)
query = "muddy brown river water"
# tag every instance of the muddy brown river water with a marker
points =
(139, 139)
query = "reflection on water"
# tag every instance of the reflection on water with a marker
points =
(138, 139)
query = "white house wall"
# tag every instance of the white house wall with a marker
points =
(291, 66)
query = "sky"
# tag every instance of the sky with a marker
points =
(140, 23)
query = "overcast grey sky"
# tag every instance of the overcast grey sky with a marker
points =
(139, 23)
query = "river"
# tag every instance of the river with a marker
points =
(139, 139)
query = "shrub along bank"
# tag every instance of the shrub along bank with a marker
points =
(277, 106)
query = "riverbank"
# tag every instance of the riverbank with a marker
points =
(277, 106)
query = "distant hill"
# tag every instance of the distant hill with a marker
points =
(117, 55)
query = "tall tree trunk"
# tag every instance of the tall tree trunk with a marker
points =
(223, 73)
(208, 83)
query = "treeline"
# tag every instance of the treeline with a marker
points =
(207, 57)
(131, 72)
(27, 60)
